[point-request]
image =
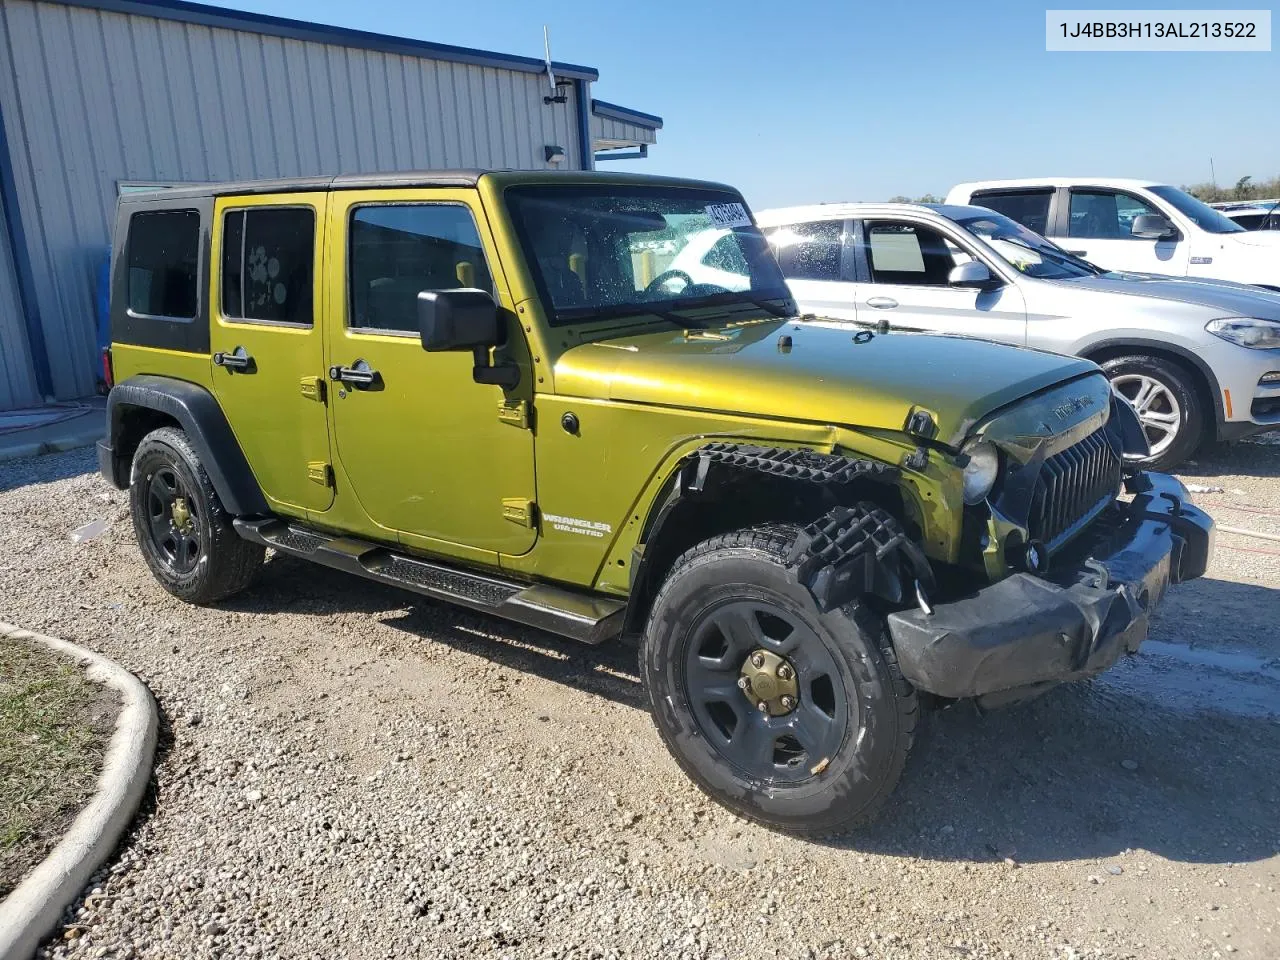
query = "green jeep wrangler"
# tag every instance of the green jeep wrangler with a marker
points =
(492, 388)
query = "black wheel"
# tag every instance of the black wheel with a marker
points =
(789, 716)
(183, 531)
(1164, 396)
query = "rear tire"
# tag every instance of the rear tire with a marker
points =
(1167, 402)
(820, 768)
(183, 531)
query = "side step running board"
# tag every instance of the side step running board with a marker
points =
(579, 616)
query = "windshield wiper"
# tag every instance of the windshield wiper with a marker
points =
(621, 311)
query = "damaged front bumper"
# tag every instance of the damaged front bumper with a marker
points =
(1026, 633)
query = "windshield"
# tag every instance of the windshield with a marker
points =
(1198, 212)
(607, 250)
(1027, 252)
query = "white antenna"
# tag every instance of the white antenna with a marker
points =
(546, 44)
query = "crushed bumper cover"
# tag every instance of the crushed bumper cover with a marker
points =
(1027, 632)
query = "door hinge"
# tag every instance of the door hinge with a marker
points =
(518, 510)
(516, 414)
(318, 471)
(313, 388)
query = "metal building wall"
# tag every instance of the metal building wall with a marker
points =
(607, 133)
(17, 380)
(92, 97)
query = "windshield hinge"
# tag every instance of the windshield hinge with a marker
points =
(518, 510)
(515, 413)
(318, 471)
(312, 388)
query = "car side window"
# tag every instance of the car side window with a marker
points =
(726, 254)
(164, 264)
(1105, 214)
(909, 253)
(1028, 207)
(395, 251)
(808, 251)
(268, 264)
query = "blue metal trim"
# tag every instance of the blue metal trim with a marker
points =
(624, 154)
(582, 91)
(22, 263)
(614, 112)
(208, 16)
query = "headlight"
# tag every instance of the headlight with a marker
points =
(981, 470)
(1247, 332)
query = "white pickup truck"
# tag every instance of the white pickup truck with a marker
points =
(1133, 225)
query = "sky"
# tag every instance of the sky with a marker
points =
(806, 102)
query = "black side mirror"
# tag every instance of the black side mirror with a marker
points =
(1152, 226)
(462, 319)
(466, 319)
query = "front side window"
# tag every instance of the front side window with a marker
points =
(396, 251)
(909, 253)
(268, 264)
(1105, 214)
(164, 263)
(611, 250)
(1029, 207)
(809, 251)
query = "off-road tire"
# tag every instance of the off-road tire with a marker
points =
(226, 563)
(838, 794)
(1180, 383)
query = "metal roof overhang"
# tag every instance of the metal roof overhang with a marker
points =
(620, 133)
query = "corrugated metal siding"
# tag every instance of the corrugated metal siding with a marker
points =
(607, 131)
(93, 97)
(17, 380)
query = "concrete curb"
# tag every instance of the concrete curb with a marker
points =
(34, 908)
(85, 436)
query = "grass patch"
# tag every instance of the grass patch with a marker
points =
(54, 727)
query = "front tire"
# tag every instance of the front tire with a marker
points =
(818, 737)
(183, 531)
(1164, 396)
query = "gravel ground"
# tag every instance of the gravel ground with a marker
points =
(347, 771)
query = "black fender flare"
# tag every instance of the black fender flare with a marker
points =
(201, 418)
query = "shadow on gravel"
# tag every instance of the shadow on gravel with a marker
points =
(49, 468)
(1247, 458)
(296, 586)
(1086, 771)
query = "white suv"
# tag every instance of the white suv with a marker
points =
(1197, 358)
(1133, 225)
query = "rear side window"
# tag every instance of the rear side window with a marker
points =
(1029, 207)
(268, 264)
(399, 250)
(809, 251)
(164, 263)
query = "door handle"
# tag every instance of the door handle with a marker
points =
(359, 375)
(235, 361)
(882, 303)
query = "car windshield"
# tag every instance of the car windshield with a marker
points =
(1024, 250)
(609, 250)
(1198, 212)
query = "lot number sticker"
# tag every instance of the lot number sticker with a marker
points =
(728, 215)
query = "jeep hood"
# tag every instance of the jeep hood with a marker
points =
(823, 376)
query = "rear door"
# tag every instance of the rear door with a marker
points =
(268, 357)
(909, 263)
(1099, 220)
(816, 258)
(429, 456)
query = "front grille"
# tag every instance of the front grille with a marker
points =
(1073, 487)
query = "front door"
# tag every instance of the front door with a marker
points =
(267, 348)
(430, 457)
(816, 259)
(909, 264)
(1098, 229)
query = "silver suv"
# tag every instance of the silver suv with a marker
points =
(1199, 359)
